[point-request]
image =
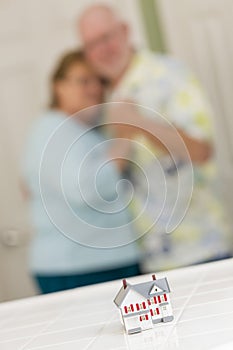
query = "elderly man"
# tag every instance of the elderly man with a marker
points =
(165, 85)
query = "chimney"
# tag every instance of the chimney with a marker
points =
(153, 277)
(124, 283)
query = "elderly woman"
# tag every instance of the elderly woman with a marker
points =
(83, 233)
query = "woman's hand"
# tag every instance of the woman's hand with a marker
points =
(120, 152)
(123, 119)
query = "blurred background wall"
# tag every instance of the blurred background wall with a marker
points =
(34, 33)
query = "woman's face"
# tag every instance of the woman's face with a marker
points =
(79, 89)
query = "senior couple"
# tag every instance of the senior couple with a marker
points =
(99, 241)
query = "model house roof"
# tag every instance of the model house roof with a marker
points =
(146, 289)
(122, 294)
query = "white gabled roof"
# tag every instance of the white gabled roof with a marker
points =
(121, 295)
(146, 289)
(155, 289)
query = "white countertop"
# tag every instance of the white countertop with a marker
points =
(86, 318)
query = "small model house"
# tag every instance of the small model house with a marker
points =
(144, 304)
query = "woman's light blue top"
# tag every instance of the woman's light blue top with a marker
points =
(77, 203)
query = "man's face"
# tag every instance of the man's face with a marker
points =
(106, 45)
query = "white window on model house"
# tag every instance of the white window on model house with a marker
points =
(129, 308)
(153, 300)
(155, 312)
(140, 306)
(144, 318)
(143, 305)
(164, 298)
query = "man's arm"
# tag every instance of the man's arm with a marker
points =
(128, 123)
(173, 140)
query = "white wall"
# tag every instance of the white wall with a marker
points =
(200, 33)
(33, 34)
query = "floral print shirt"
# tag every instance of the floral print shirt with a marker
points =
(161, 83)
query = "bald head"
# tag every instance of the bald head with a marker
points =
(105, 37)
(98, 14)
